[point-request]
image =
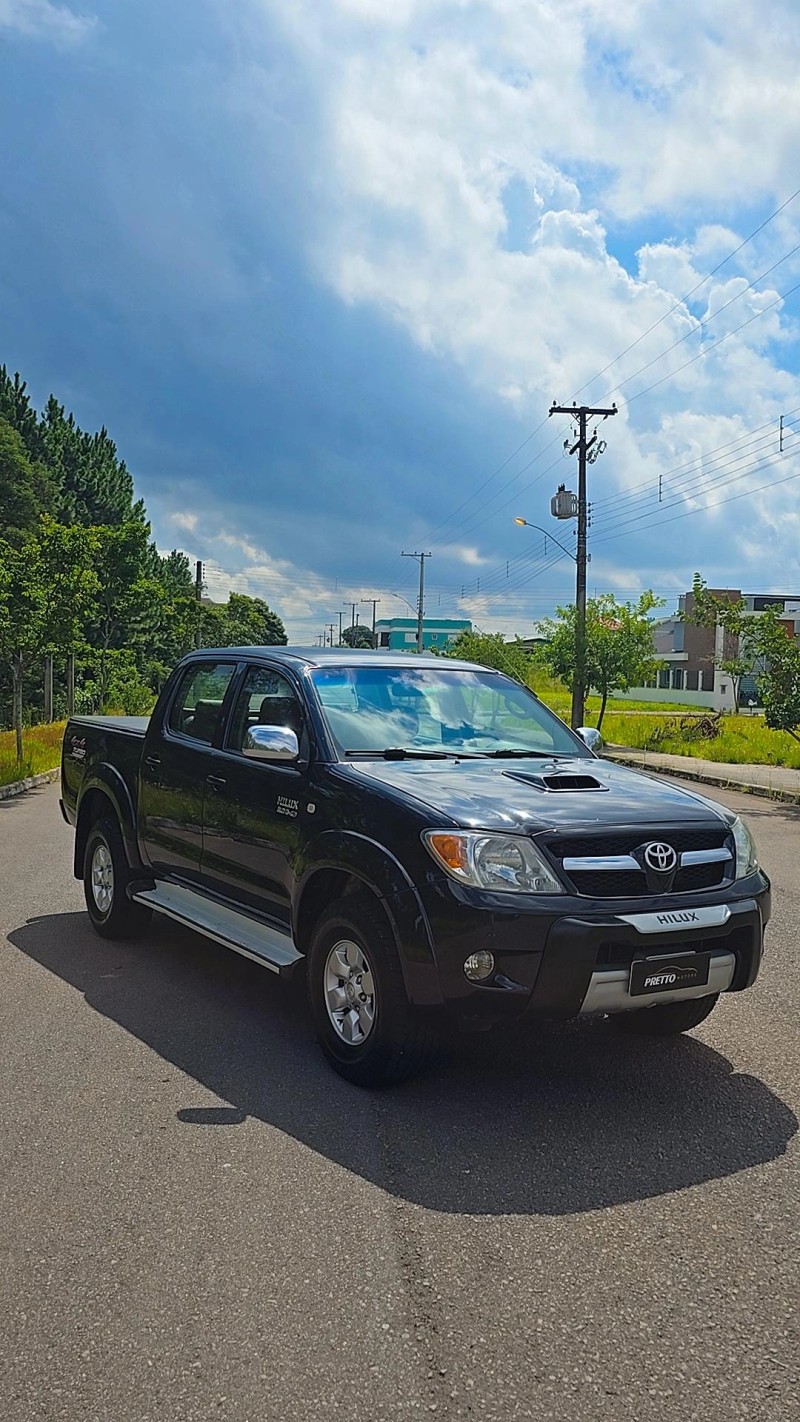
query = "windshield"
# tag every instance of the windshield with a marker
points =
(423, 710)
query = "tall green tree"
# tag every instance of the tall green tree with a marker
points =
(142, 616)
(777, 671)
(16, 408)
(95, 486)
(359, 635)
(47, 584)
(20, 499)
(243, 622)
(174, 572)
(490, 649)
(619, 644)
(128, 605)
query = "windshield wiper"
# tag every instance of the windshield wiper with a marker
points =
(414, 753)
(515, 753)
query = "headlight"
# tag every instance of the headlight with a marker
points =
(492, 861)
(746, 854)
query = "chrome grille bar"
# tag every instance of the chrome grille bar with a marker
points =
(610, 862)
(613, 863)
(705, 856)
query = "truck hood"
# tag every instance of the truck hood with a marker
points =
(537, 795)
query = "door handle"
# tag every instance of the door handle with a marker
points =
(153, 761)
(217, 782)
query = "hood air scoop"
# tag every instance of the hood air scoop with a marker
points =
(556, 781)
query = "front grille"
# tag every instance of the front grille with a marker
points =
(609, 884)
(739, 941)
(702, 876)
(626, 882)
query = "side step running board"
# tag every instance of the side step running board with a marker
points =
(235, 930)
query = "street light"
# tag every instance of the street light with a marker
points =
(526, 523)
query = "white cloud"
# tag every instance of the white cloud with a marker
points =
(444, 117)
(40, 19)
(185, 521)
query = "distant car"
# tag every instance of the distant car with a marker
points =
(423, 836)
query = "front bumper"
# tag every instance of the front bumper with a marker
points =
(586, 964)
(559, 967)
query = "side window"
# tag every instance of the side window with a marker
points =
(266, 699)
(198, 706)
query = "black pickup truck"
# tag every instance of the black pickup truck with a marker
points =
(424, 837)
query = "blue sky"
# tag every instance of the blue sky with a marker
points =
(320, 269)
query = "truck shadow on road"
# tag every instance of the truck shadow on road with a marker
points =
(548, 1121)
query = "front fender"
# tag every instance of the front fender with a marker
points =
(105, 780)
(362, 858)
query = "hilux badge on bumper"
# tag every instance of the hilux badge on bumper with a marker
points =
(677, 920)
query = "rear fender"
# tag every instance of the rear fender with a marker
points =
(340, 858)
(104, 782)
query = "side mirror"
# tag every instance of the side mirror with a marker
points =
(273, 743)
(591, 737)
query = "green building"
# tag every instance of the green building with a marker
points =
(399, 634)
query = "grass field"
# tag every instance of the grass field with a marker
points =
(743, 740)
(41, 751)
(653, 725)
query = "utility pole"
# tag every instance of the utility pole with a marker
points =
(48, 689)
(198, 592)
(71, 684)
(374, 601)
(581, 413)
(421, 601)
(352, 607)
(331, 627)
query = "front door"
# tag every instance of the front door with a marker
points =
(254, 810)
(174, 768)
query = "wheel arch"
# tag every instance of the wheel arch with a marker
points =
(342, 864)
(105, 794)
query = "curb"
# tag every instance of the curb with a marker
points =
(746, 787)
(20, 786)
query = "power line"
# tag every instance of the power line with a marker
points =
(753, 436)
(726, 473)
(774, 483)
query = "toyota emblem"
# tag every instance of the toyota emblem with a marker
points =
(660, 857)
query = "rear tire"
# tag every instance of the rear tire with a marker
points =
(105, 879)
(669, 1019)
(367, 1029)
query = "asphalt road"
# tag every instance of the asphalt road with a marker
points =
(199, 1221)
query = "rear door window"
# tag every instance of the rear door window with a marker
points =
(197, 708)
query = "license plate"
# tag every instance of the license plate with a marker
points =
(653, 975)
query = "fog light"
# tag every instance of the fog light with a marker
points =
(479, 966)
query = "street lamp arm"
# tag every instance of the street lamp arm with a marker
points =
(525, 523)
(400, 598)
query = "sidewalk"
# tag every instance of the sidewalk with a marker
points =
(776, 782)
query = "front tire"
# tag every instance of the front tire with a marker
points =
(105, 879)
(367, 1029)
(669, 1019)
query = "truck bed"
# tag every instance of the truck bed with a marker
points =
(88, 740)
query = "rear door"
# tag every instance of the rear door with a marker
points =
(176, 761)
(254, 810)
